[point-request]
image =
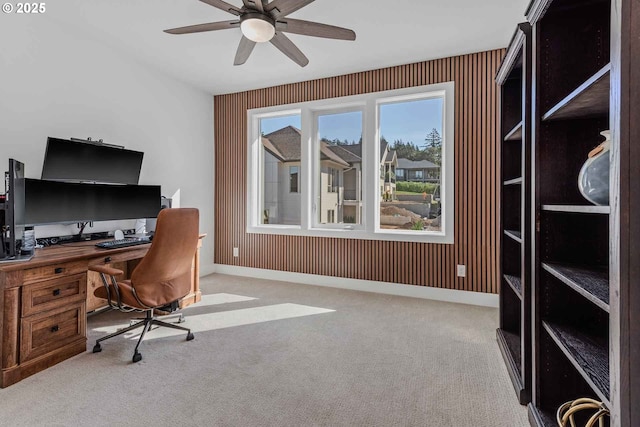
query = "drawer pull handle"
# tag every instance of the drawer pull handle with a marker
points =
(56, 292)
(107, 260)
(59, 270)
(54, 328)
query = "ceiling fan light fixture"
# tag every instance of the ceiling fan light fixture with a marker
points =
(257, 27)
(257, 20)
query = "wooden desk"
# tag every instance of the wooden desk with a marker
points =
(44, 303)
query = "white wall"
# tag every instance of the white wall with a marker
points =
(55, 82)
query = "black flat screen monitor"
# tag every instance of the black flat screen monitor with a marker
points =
(74, 161)
(51, 202)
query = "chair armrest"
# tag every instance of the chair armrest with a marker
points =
(113, 291)
(106, 270)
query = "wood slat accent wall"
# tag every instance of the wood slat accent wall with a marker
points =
(476, 183)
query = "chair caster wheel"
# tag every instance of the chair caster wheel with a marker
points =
(180, 320)
(97, 348)
(190, 336)
(137, 357)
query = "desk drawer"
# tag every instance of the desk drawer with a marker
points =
(38, 274)
(54, 293)
(129, 255)
(45, 332)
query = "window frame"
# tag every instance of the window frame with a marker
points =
(255, 158)
(369, 229)
(316, 112)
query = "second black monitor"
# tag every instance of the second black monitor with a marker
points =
(51, 202)
(74, 161)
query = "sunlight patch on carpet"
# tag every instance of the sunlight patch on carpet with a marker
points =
(217, 299)
(227, 319)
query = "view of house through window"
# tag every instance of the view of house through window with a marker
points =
(370, 166)
(294, 179)
(280, 170)
(339, 198)
(410, 164)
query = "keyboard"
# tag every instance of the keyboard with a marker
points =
(122, 243)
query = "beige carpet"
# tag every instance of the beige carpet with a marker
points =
(271, 353)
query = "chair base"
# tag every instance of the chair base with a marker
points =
(165, 316)
(146, 323)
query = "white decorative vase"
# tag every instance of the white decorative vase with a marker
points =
(593, 180)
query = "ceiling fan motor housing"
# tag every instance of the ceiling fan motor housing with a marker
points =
(257, 26)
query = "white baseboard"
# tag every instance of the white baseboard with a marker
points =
(426, 292)
(207, 269)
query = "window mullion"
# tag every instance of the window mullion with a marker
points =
(306, 169)
(370, 167)
(253, 175)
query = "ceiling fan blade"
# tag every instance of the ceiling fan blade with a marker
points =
(244, 50)
(253, 4)
(287, 47)
(213, 26)
(223, 5)
(316, 29)
(280, 8)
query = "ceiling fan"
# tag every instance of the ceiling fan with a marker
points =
(263, 21)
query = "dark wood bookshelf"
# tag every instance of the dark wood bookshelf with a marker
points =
(514, 134)
(590, 99)
(514, 181)
(588, 353)
(587, 209)
(572, 259)
(515, 283)
(541, 418)
(513, 344)
(514, 334)
(515, 235)
(591, 284)
(511, 349)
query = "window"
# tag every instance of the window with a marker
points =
(279, 163)
(338, 162)
(410, 206)
(294, 180)
(374, 166)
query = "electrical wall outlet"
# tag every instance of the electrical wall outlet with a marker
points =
(462, 270)
(236, 252)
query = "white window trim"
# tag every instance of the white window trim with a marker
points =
(317, 111)
(370, 229)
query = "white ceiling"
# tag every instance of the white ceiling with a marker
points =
(389, 32)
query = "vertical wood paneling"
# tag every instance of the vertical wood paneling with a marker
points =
(476, 183)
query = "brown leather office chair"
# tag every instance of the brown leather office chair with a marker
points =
(160, 280)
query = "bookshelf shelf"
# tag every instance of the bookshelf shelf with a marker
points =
(590, 99)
